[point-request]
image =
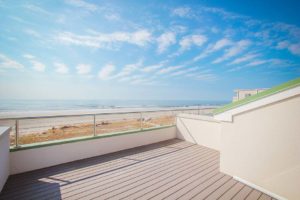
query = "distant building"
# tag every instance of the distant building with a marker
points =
(243, 93)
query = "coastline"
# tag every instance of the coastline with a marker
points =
(35, 113)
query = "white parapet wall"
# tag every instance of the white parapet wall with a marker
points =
(37, 158)
(4, 155)
(259, 142)
(199, 129)
(262, 146)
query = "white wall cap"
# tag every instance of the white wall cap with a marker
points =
(227, 116)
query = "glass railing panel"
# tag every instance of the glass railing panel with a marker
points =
(207, 111)
(158, 119)
(43, 129)
(114, 123)
(50, 129)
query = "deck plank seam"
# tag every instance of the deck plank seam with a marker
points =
(184, 165)
(204, 150)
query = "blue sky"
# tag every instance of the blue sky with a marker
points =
(189, 50)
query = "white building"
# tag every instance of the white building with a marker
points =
(243, 93)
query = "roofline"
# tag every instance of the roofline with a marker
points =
(274, 90)
(251, 89)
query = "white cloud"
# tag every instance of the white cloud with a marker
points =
(36, 65)
(179, 29)
(8, 63)
(106, 72)
(32, 32)
(18, 19)
(215, 30)
(82, 4)
(184, 71)
(244, 58)
(282, 45)
(257, 62)
(182, 11)
(293, 48)
(142, 81)
(281, 63)
(129, 69)
(112, 17)
(271, 62)
(103, 40)
(238, 48)
(138, 80)
(36, 8)
(204, 75)
(292, 30)
(191, 40)
(125, 74)
(220, 44)
(165, 40)
(61, 68)
(130, 78)
(151, 68)
(83, 69)
(169, 69)
(140, 38)
(28, 56)
(225, 14)
(201, 55)
(235, 69)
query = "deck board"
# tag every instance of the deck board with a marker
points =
(243, 193)
(254, 195)
(172, 169)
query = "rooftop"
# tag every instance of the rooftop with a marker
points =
(251, 89)
(172, 169)
(269, 92)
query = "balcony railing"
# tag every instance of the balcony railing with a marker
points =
(37, 129)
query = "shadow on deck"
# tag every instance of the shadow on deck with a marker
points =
(172, 169)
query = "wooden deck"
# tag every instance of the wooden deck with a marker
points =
(172, 169)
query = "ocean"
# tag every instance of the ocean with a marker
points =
(7, 106)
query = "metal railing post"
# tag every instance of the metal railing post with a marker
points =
(141, 120)
(174, 117)
(175, 122)
(94, 125)
(17, 133)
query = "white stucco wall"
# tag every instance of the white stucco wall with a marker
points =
(31, 159)
(202, 130)
(4, 155)
(262, 146)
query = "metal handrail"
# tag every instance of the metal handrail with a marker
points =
(17, 119)
(104, 113)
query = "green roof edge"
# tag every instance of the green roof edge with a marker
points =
(274, 90)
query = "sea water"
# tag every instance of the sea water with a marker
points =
(51, 105)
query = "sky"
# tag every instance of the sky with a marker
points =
(154, 50)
